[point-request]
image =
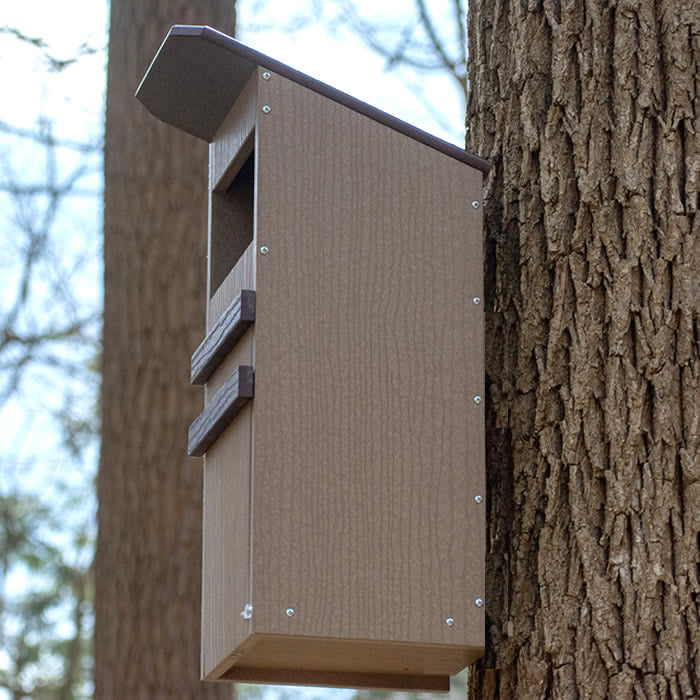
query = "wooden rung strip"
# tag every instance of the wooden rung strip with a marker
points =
(227, 331)
(218, 414)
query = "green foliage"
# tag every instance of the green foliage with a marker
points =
(45, 601)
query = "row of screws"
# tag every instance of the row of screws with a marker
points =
(264, 250)
(267, 109)
(247, 612)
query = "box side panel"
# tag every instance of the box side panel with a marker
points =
(228, 152)
(368, 444)
(225, 556)
(233, 141)
(242, 276)
(226, 529)
(226, 526)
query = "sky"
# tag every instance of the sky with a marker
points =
(324, 48)
(336, 55)
(333, 54)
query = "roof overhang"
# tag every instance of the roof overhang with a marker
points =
(198, 73)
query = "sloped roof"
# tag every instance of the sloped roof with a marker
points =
(198, 73)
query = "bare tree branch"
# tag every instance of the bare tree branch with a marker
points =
(29, 333)
(437, 44)
(41, 136)
(54, 64)
(411, 40)
(460, 17)
(410, 51)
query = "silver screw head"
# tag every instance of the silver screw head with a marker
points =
(266, 76)
(477, 400)
(479, 498)
(267, 109)
(476, 301)
(479, 602)
(450, 622)
(289, 612)
(264, 250)
(475, 204)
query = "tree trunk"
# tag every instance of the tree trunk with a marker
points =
(589, 113)
(147, 632)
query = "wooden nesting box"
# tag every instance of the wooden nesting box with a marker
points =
(343, 428)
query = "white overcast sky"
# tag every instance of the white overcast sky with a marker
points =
(339, 58)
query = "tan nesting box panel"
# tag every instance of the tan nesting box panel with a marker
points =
(343, 536)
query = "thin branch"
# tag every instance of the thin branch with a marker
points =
(407, 51)
(38, 232)
(34, 190)
(54, 64)
(427, 24)
(8, 337)
(369, 32)
(45, 139)
(461, 22)
(439, 48)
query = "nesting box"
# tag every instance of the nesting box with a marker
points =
(343, 427)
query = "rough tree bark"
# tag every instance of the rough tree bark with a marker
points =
(147, 632)
(589, 113)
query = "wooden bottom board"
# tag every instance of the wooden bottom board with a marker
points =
(346, 663)
(331, 679)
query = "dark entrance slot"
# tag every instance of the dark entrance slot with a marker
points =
(232, 214)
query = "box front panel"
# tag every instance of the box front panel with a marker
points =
(368, 443)
(226, 531)
(227, 463)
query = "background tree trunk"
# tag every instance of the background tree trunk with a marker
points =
(589, 113)
(147, 632)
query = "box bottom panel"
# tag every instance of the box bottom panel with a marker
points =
(345, 663)
(330, 679)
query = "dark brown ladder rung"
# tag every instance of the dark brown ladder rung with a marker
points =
(218, 414)
(227, 331)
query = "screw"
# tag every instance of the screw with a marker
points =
(477, 400)
(450, 621)
(289, 612)
(267, 109)
(475, 204)
(478, 498)
(266, 76)
(479, 602)
(264, 250)
(477, 300)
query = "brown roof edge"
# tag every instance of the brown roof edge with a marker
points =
(199, 72)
